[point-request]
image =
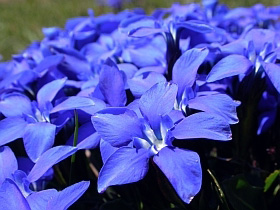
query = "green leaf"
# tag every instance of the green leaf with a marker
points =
(271, 179)
(73, 157)
(242, 195)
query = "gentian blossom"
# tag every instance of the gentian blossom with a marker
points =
(139, 138)
(14, 184)
(30, 121)
(121, 93)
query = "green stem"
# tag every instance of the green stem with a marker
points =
(220, 192)
(73, 157)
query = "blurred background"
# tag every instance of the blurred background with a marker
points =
(21, 21)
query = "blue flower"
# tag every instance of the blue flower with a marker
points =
(14, 184)
(31, 120)
(137, 137)
(256, 51)
(171, 30)
(253, 58)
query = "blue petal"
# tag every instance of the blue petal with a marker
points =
(82, 38)
(128, 68)
(6, 154)
(39, 200)
(220, 104)
(74, 22)
(112, 85)
(140, 143)
(161, 69)
(158, 101)
(94, 51)
(273, 72)
(229, 66)
(118, 129)
(266, 120)
(235, 47)
(90, 142)
(238, 12)
(9, 105)
(195, 25)
(11, 128)
(185, 68)
(49, 91)
(51, 32)
(89, 105)
(144, 56)
(19, 178)
(139, 84)
(182, 169)
(135, 22)
(48, 62)
(260, 37)
(144, 31)
(38, 138)
(134, 106)
(176, 116)
(202, 125)
(61, 120)
(125, 166)
(65, 198)
(165, 125)
(106, 150)
(8, 80)
(11, 197)
(75, 64)
(48, 159)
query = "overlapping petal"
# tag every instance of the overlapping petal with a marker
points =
(185, 68)
(11, 197)
(38, 138)
(7, 169)
(137, 21)
(39, 200)
(89, 105)
(11, 128)
(49, 91)
(117, 125)
(195, 25)
(229, 66)
(9, 105)
(112, 85)
(183, 170)
(273, 72)
(157, 101)
(48, 62)
(106, 150)
(140, 83)
(220, 104)
(203, 125)
(134, 166)
(66, 197)
(48, 159)
(90, 142)
(144, 31)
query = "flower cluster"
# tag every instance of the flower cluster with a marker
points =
(142, 87)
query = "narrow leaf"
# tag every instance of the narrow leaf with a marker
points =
(271, 179)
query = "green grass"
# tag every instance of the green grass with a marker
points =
(21, 21)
